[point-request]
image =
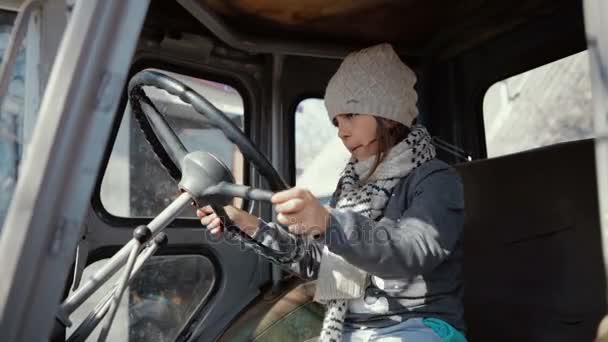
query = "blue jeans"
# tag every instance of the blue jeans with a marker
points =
(412, 330)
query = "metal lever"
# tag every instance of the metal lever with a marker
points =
(141, 235)
(92, 320)
(82, 253)
(118, 260)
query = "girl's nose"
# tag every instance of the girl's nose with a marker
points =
(343, 130)
(342, 133)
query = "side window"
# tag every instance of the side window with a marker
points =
(320, 155)
(158, 303)
(135, 183)
(543, 106)
(11, 119)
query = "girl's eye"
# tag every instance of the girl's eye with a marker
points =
(346, 116)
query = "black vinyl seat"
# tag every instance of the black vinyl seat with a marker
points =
(533, 262)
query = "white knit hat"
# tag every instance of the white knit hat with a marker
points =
(373, 81)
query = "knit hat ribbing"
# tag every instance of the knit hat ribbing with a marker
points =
(373, 81)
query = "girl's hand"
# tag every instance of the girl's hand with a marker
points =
(301, 211)
(245, 221)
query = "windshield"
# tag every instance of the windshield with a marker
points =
(135, 183)
(11, 120)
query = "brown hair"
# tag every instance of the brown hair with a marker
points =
(388, 134)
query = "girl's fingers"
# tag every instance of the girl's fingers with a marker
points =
(295, 226)
(204, 211)
(210, 220)
(284, 219)
(206, 220)
(290, 221)
(291, 206)
(286, 195)
(214, 225)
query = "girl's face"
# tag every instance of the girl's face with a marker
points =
(358, 134)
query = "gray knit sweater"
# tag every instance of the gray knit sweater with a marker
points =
(413, 253)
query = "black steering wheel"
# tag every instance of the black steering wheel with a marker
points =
(172, 153)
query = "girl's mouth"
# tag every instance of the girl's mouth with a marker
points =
(359, 146)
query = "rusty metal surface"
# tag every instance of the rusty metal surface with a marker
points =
(413, 24)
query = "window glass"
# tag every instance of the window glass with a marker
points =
(320, 154)
(11, 119)
(158, 303)
(543, 106)
(135, 183)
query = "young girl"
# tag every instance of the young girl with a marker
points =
(387, 253)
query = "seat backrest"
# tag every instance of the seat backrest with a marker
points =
(533, 262)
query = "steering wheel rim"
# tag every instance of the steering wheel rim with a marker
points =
(172, 146)
(171, 151)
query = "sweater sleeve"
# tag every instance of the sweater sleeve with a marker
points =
(425, 234)
(277, 238)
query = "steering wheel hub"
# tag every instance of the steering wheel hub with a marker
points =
(200, 172)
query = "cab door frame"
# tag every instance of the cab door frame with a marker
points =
(47, 211)
(596, 26)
